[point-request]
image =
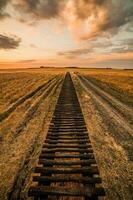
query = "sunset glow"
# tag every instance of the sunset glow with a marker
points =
(66, 33)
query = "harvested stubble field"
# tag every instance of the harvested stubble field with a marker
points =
(106, 97)
(27, 101)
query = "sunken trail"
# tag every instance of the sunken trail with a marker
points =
(67, 166)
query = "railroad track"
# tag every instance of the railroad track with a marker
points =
(67, 166)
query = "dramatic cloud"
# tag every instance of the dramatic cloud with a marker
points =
(40, 9)
(123, 46)
(91, 18)
(7, 42)
(75, 53)
(101, 45)
(85, 18)
(95, 21)
(3, 4)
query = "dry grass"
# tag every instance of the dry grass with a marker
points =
(17, 84)
(122, 79)
(23, 131)
(110, 140)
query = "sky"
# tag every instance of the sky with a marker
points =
(84, 33)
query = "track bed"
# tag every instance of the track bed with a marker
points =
(67, 167)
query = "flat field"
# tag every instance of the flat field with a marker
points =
(27, 101)
(106, 98)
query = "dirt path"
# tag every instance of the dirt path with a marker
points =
(109, 103)
(124, 109)
(111, 141)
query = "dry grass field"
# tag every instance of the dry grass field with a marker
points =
(122, 79)
(27, 101)
(106, 97)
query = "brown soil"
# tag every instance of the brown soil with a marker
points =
(111, 136)
(23, 133)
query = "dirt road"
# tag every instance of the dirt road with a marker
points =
(109, 122)
(120, 114)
